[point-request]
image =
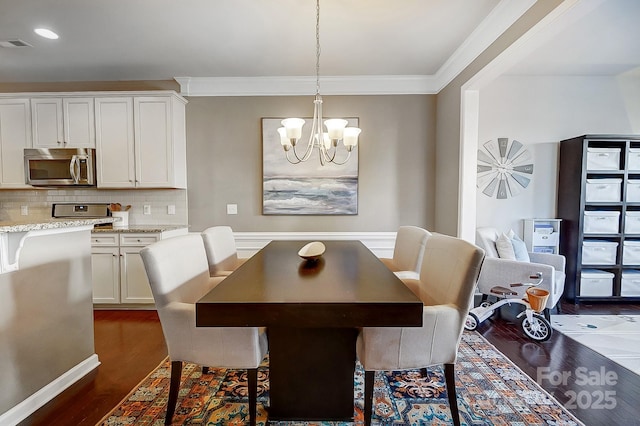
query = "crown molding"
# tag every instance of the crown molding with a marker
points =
(303, 86)
(497, 22)
(500, 18)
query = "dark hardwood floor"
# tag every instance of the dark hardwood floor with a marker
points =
(591, 398)
(130, 344)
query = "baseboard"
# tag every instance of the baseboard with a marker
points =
(380, 243)
(27, 407)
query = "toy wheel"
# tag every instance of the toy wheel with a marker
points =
(485, 304)
(537, 329)
(471, 323)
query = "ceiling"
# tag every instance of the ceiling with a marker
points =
(427, 40)
(594, 38)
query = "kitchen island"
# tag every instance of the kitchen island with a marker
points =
(46, 312)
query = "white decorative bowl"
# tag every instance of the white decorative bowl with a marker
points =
(312, 251)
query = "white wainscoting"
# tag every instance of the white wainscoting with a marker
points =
(380, 243)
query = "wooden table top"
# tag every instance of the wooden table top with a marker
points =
(347, 287)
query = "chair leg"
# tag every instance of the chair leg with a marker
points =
(450, 378)
(252, 383)
(369, 376)
(174, 386)
(547, 314)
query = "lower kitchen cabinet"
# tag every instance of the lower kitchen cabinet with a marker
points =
(105, 270)
(119, 277)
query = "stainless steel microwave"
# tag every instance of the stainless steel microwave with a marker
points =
(60, 166)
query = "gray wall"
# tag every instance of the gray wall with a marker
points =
(448, 141)
(396, 154)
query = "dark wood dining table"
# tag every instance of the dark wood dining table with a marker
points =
(312, 311)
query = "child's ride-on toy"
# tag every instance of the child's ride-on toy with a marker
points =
(534, 325)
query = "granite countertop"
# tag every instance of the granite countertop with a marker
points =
(105, 222)
(18, 226)
(138, 228)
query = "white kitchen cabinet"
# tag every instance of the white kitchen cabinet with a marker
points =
(63, 122)
(133, 277)
(115, 158)
(15, 136)
(105, 270)
(119, 277)
(155, 156)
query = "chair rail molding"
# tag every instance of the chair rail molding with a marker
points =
(380, 243)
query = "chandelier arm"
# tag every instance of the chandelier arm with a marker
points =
(343, 162)
(296, 155)
(325, 152)
(307, 152)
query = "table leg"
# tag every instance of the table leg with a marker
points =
(311, 373)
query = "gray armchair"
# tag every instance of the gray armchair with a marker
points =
(502, 272)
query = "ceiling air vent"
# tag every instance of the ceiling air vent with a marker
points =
(14, 43)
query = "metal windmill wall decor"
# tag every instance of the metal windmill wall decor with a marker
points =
(505, 168)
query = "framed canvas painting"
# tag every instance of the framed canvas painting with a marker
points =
(306, 188)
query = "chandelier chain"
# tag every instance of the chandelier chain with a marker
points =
(317, 47)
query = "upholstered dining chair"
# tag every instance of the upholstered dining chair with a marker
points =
(222, 254)
(178, 272)
(450, 268)
(407, 252)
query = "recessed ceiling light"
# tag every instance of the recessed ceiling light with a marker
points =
(43, 32)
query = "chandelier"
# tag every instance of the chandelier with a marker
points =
(325, 142)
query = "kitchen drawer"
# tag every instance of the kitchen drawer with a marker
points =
(138, 239)
(104, 239)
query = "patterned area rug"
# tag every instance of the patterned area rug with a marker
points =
(491, 391)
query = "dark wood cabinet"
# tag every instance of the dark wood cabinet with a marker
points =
(599, 204)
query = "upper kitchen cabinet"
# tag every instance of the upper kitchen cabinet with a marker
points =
(115, 161)
(15, 136)
(141, 142)
(63, 122)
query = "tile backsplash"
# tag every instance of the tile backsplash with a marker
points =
(38, 202)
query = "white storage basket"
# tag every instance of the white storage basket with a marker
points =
(630, 283)
(632, 222)
(604, 190)
(631, 253)
(634, 159)
(601, 222)
(603, 158)
(594, 282)
(599, 252)
(633, 191)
